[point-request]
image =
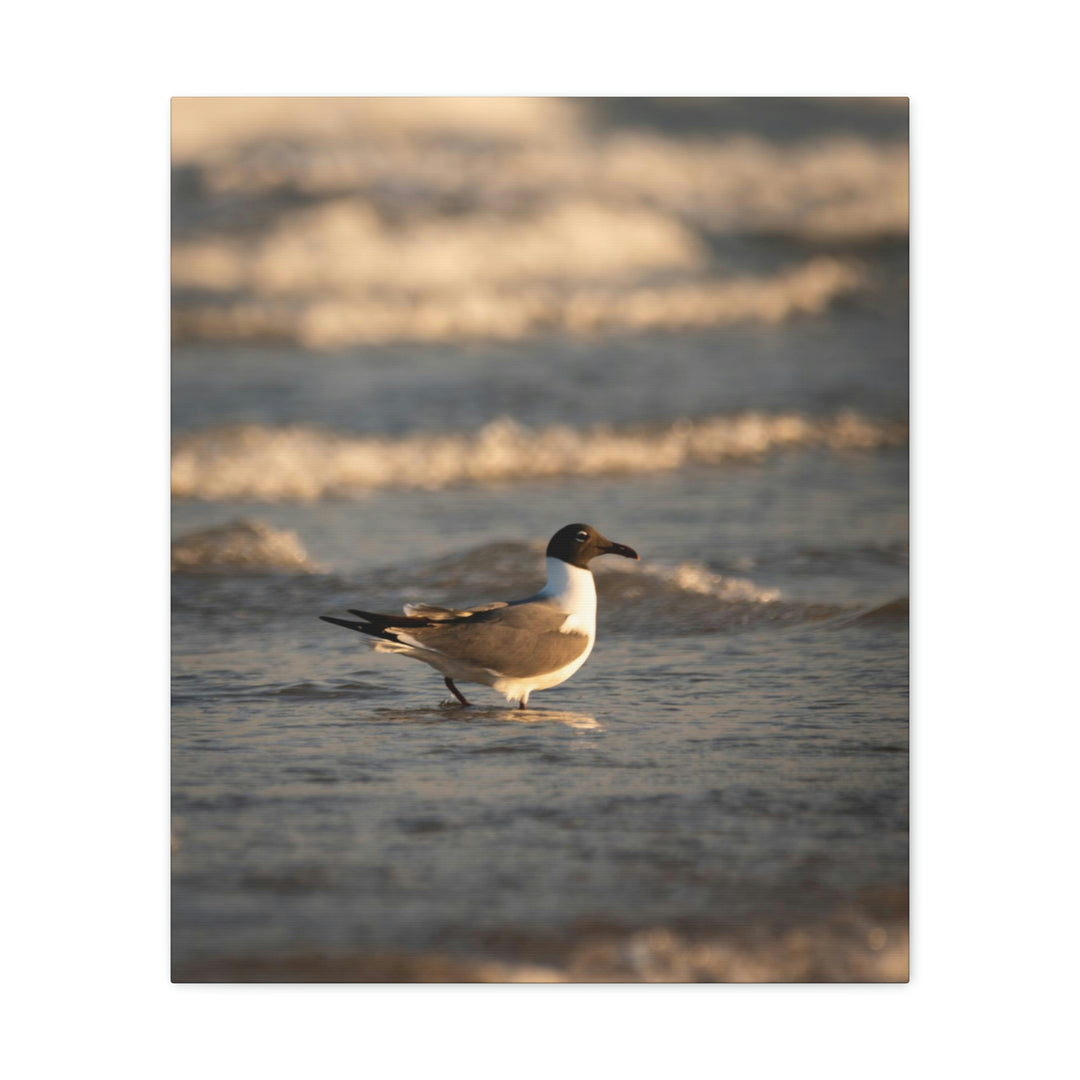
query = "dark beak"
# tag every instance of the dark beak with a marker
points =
(621, 549)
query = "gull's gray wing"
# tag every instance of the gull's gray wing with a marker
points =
(446, 614)
(519, 640)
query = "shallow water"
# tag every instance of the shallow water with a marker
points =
(732, 758)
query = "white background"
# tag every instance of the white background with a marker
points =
(85, 455)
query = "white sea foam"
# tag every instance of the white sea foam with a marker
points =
(690, 578)
(481, 309)
(503, 153)
(298, 462)
(444, 219)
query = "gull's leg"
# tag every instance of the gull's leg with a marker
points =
(521, 703)
(456, 692)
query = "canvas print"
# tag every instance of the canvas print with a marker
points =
(539, 558)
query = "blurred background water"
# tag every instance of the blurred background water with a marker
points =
(412, 338)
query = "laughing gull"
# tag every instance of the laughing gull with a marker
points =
(516, 647)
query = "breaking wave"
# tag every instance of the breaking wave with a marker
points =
(490, 311)
(338, 222)
(689, 598)
(649, 597)
(477, 156)
(259, 462)
(468, 575)
(239, 546)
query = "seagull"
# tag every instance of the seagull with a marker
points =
(517, 646)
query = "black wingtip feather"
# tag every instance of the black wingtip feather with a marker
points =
(380, 626)
(347, 623)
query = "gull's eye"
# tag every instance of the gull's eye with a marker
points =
(582, 537)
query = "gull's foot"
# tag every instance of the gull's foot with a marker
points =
(456, 692)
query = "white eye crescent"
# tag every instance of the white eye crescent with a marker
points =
(582, 537)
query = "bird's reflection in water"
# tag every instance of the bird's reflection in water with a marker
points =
(452, 711)
(580, 721)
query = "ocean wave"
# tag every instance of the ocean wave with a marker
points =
(334, 222)
(894, 612)
(691, 578)
(650, 597)
(240, 546)
(208, 129)
(507, 563)
(688, 598)
(481, 311)
(343, 247)
(647, 598)
(259, 462)
(484, 157)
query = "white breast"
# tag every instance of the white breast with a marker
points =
(572, 589)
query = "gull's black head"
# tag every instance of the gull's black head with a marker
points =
(577, 544)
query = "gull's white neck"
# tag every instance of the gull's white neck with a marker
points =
(572, 589)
